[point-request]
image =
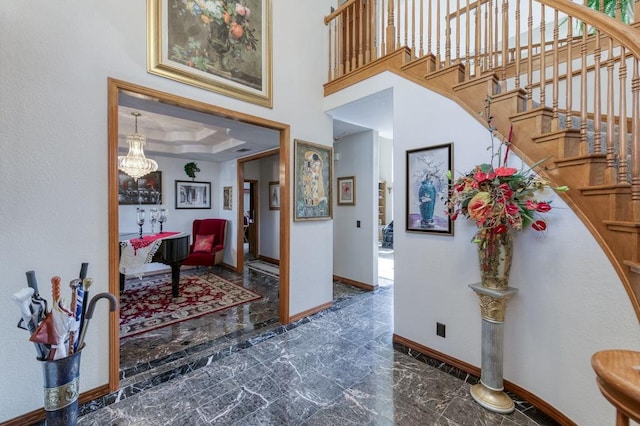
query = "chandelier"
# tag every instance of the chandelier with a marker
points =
(135, 164)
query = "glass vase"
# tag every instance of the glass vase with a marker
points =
(495, 252)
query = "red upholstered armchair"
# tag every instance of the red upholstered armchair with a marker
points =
(207, 242)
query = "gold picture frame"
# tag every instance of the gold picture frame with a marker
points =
(347, 191)
(225, 49)
(227, 198)
(312, 181)
(274, 195)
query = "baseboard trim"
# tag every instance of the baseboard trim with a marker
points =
(39, 415)
(354, 283)
(311, 311)
(534, 400)
(269, 259)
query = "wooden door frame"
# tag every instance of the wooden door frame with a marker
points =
(114, 87)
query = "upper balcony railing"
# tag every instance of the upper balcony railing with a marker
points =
(579, 62)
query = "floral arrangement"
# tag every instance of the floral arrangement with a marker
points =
(227, 22)
(499, 198)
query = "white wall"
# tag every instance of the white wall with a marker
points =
(386, 173)
(53, 168)
(570, 304)
(355, 249)
(227, 176)
(269, 239)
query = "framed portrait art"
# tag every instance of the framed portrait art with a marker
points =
(193, 195)
(223, 46)
(274, 195)
(428, 189)
(347, 191)
(146, 190)
(313, 175)
(226, 198)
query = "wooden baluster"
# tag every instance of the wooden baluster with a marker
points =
(610, 171)
(597, 90)
(467, 53)
(347, 41)
(414, 51)
(518, 51)
(398, 25)
(354, 40)
(496, 36)
(447, 39)
(478, 42)
(635, 142)
(361, 41)
(391, 29)
(383, 44)
(373, 38)
(583, 95)
(530, 57)
(543, 65)
(569, 84)
(331, 67)
(554, 70)
(622, 118)
(429, 52)
(457, 58)
(505, 44)
(367, 32)
(406, 23)
(489, 37)
(421, 50)
(438, 18)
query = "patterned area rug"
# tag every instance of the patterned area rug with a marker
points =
(148, 304)
(264, 267)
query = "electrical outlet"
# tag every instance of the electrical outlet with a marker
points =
(441, 329)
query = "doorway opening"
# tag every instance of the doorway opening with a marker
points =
(250, 194)
(116, 89)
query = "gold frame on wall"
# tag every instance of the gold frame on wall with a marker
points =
(236, 80)
(346, 191)
(313, 178)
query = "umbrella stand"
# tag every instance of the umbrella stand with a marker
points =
(61, 389)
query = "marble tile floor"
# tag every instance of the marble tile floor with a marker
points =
(336, 367)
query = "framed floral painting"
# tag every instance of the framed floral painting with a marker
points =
(223, 46)
(428, 189)
(347, 191)
(312, 181)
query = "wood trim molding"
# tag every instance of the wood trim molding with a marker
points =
(39, 415)
(355, 283)
(536, 401)
(269, 259)
(311, 311)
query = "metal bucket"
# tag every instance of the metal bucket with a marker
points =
(61, 389)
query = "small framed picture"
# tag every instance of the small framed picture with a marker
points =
(274, 195)
(193, 195)
(428, 189)
(347, 191)
(226, 195)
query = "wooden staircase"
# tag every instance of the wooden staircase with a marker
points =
(605, 186)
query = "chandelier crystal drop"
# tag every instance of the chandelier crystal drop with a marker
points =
(135, 164)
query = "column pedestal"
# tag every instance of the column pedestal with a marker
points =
(489, 393)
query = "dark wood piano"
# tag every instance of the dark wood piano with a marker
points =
(173, 251)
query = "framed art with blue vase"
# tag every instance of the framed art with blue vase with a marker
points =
(428, 189)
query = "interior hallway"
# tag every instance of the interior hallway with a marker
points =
(336, 367)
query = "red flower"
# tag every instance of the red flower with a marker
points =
(479, 206)
(505, 171)
(500, 229)
(512, 208)
(480, 176)
(543, 207)
(539, 225)
(531, 205)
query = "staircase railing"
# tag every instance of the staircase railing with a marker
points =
(590, 76)
(575, 64)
